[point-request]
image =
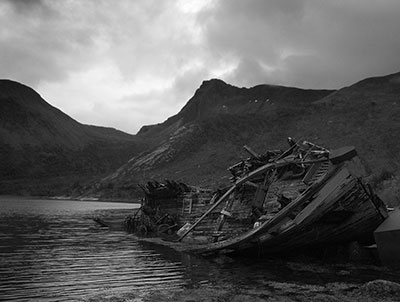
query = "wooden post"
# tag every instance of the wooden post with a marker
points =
(251, 152)
(221, 199)
(222, 217)
(238, 183)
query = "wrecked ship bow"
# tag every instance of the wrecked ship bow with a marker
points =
(306, 196)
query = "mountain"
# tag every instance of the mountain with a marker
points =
(199, 143)
(39, 144)
(215, 98)
(43, 151)
(206, 136)
(367, 115)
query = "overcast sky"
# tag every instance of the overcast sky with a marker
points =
(127, 63)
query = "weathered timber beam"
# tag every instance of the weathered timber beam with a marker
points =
(251, 184)
(288, 151)
(251, 152)
(240, 182)
(221, 199)
(261, 186)
(277, 164)
(303, 197)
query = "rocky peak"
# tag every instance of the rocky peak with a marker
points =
(212, 85)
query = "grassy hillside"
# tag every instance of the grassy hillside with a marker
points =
(206, 136)
(43, 150)
(39, 143)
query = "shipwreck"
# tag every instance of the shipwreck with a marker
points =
(305, 196)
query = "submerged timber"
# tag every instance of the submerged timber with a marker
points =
(280, 201)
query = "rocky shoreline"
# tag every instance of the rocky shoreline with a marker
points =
(298, 280)
(377, 290)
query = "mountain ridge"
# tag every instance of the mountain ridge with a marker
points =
(365, 114)
(39, 141)
(197, 144)
(217, 113)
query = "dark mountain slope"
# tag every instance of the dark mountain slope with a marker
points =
(38, 141)
(215, 97)
(27, 119)
(221, 112)
(207, 135)
(366, 114)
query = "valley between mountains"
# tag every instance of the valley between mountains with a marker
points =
(45, 152)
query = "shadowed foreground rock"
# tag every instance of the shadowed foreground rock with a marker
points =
(377, 290)
(381, 289)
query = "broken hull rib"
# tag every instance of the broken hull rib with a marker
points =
(340, 211)
(328, 203)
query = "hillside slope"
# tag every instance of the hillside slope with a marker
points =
(39, 142)
(367, 115)
(207, 135)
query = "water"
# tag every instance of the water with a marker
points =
(52, 250)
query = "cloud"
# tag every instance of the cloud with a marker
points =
(314, 44)
(26, 7)
(102, 51)
(43, 41)
(128, 63)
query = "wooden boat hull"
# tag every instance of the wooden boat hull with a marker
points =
(342, 210)
(303, 197)
(116, 224)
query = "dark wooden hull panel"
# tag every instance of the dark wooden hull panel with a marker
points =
(302, 197)
(341, 211)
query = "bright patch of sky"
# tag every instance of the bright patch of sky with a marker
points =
(125, 64)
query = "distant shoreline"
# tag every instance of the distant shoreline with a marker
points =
(4, 197)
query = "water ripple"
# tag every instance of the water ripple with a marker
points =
(61, 255)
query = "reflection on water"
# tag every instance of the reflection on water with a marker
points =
(53, 251)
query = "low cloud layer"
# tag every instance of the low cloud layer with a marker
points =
(127, 63)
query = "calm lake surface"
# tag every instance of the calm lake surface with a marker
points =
(52, 250)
